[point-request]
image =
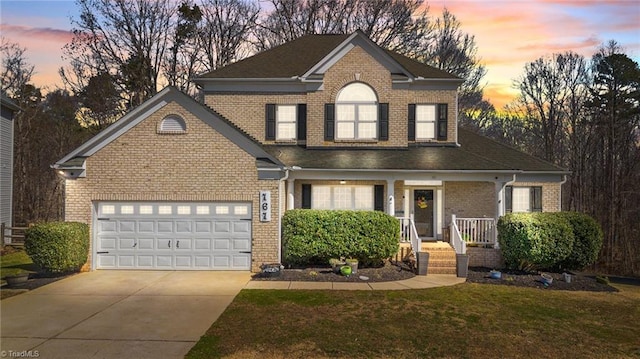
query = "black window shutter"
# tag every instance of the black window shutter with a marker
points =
(306, 196)
(270, 122)
(383, 121)
(302, 121)
(536, 199)
(442, 121)
(378, 197)
(508, 201)
(329, 121)
(412, 122)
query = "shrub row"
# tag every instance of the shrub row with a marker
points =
(315, 236)
(549, 240)
(58, 247)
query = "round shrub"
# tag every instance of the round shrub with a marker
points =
(315, 236)
(534, 240)
(588, 240)
(58, 247)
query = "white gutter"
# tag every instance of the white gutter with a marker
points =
(564, 180)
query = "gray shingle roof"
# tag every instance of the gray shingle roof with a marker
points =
(476, 153)
(296, 57)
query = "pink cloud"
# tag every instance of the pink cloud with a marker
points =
(36, 33)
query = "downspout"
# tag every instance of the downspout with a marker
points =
(564, 180)
(281, 187)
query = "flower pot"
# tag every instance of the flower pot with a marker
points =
(345, 270)
(495, 274)
(17, 279)
(546, 279)
(353, 263)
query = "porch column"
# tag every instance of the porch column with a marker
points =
(391, 205)
(290, 198)
(499, 199)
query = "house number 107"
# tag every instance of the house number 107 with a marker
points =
(265, 206)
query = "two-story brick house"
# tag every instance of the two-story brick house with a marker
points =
(326, 122)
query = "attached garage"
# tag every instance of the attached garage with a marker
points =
(169, 235)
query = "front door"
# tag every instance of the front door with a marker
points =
(423, 212)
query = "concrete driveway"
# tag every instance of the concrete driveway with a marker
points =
(117, 314)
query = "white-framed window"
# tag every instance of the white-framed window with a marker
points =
(523, 199)
(173, 124)
(286, 118)
(426, 122)
(342, 197)
(356, 112)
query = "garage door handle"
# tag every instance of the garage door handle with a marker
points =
(178, 244)
(169, 244)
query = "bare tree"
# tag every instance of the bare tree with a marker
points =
(396, 24)
(547, 89)
(16, 72)
(225, 31)
(182, 61)
(125, 38)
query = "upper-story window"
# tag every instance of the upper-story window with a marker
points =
(425, 122)
(173, 124)
(356, 112)
(286, 122)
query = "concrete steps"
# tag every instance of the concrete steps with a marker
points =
(442, 257)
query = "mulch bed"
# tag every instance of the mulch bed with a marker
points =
(579, 282)
(389, 272)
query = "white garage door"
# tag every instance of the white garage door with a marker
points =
(198, 236)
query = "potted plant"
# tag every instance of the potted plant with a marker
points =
(19, 277)
(336, 264)
(353, 263)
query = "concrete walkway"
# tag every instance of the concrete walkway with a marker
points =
(140, 314)
(417, 282)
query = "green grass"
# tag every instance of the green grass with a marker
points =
(464, 321)
(16, 262)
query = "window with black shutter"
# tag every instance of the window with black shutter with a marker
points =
(270, 122)
(329, 121)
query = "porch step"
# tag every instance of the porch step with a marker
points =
(442, 257)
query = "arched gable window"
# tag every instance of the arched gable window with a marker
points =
(173, 124)
(356, 112)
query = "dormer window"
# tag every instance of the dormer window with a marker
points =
(356, 113)
(172, 125)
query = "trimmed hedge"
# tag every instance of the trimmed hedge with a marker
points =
(539, 240)
(58, 247)
(588, 240)
(315, 236)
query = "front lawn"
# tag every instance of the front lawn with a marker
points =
(464, 321)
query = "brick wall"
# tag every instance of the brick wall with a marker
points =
(248, 112)
(469, 200)
(201, 165)
(485, 257)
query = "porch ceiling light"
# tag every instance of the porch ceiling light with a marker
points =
(343, 181)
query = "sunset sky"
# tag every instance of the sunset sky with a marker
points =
(509, 33)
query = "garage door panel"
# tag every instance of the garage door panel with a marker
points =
(145, 261)
(203, 227)
(183, 244)
(146, 226)
(145, 243)
(106, 226)
(165, 226)
(108, 243)
(183, 226)
(126, 261)
(183, 262)
(173, 235)
(126, 244)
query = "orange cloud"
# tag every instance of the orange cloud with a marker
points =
(36, 33)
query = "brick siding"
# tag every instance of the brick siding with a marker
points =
(201, 165)
(247, 110)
